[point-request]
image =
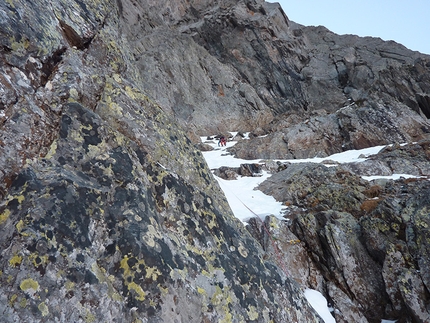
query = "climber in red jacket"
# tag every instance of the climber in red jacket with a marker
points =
(222, 141)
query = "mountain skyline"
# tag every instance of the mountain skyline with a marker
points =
(403, 22)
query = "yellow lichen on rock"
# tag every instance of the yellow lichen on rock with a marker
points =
(12, 299)
(74, 95)
(242, 250)
(4, 216)
(69, 285)
(23, 302)
(29, 285)
(140, 293)
(52, 150)
(89, 317)
(152, 273)
(212, 223)
(38, 260)
(221, 299)
(43, 308)
(252, 313)
(19, 46)
(16, 260)
(100, 274)
(19, 226)
(151, 235)
(129, 274)
(20, 198)
(201, 291)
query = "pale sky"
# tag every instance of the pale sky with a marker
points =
(404, 21)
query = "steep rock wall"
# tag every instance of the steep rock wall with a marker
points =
(108, 212)
(367, 243)
(247, 63)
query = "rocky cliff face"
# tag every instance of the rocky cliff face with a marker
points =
(367, 243)
(107, 210)
(248, 64)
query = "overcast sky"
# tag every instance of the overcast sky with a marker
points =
(404, 21)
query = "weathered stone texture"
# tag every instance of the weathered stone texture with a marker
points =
(368, 241)
(114, 235)
(108, 212)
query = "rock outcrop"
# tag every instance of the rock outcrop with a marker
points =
(98, 230)
(108, 211)
(367, 243)
(310, 90)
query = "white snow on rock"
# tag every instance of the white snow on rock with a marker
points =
(247, 202)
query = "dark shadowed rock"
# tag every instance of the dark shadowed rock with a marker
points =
(248, 170)
(228, 173)
(204, 147)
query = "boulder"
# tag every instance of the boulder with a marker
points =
(315, 186)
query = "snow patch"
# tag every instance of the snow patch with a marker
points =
(319, 303)
(247, 202)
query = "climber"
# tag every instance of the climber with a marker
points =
(222, 141)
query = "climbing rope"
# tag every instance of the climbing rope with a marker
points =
(280, 261)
